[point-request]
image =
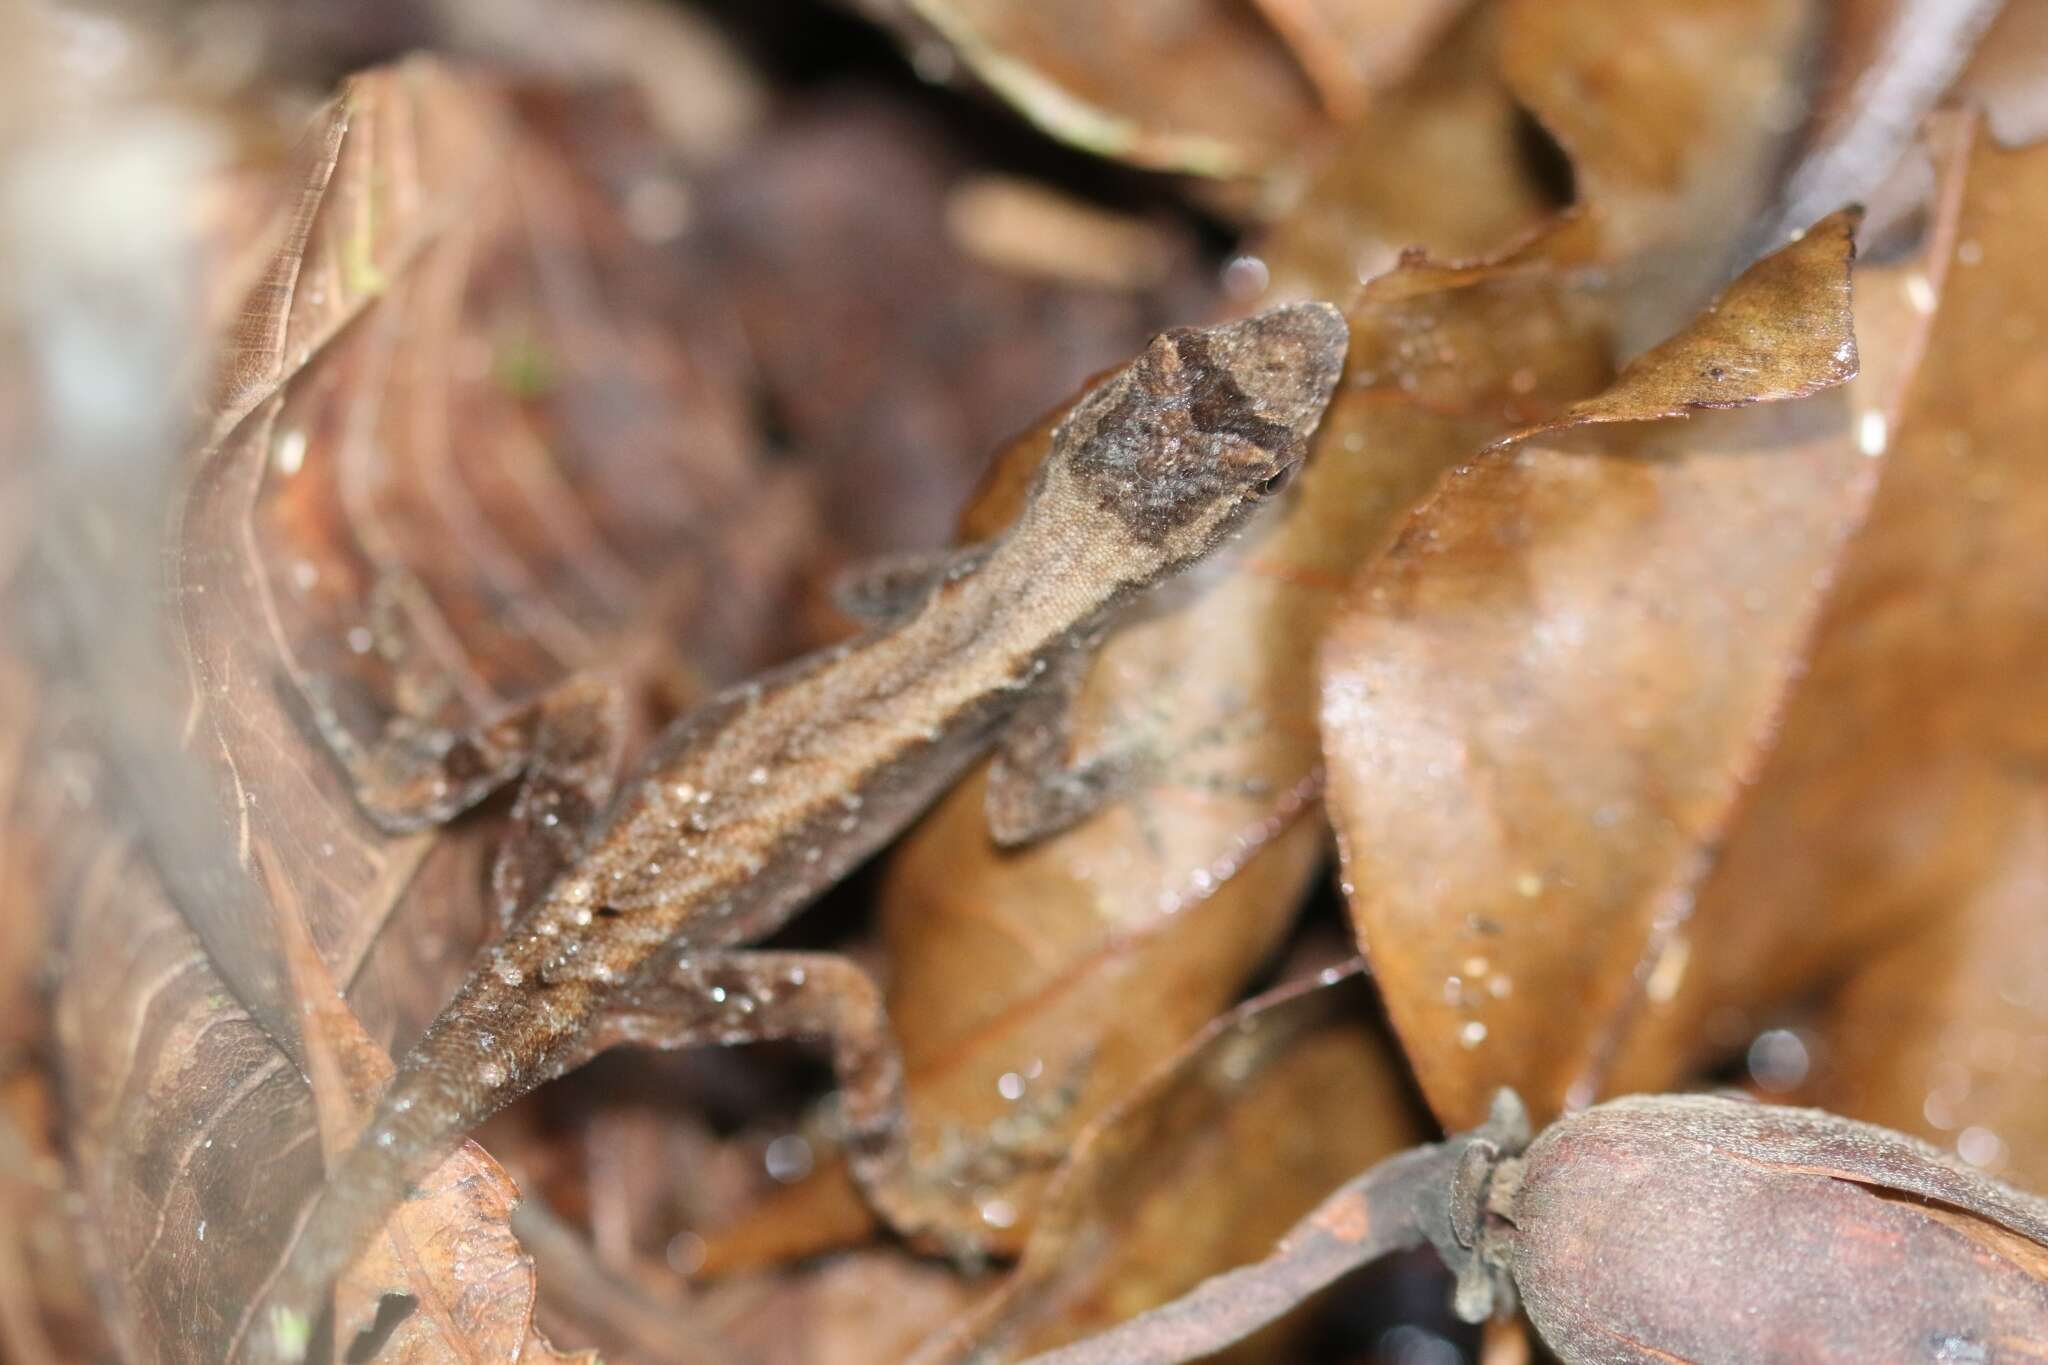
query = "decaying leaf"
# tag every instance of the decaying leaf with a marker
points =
(1541, 701)
(1893, 824)
(451, 464)
(1667, 1227)
(1706, 1228)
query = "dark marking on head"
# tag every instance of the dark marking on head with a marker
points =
(1187, 437)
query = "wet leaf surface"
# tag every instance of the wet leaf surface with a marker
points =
(1538, 706)
(1896, 820)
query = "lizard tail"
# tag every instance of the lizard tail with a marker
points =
(401, 1146)
(440, 1091)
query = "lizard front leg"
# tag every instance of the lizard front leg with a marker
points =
(562, 748)
(1036, 788)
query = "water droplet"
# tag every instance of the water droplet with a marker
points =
(1472, 1035)
(510, 974)
(1873, 433)
(758, 776)
(1010, 1086)
(685, 1253)
(1530, 884)
(788, 1158)
(202, 1229)
(1778, 1060)
(1246, 277)
(999, 1213)
(1920, 293)
(1669, 971)
(717, 994)
(290, 454)
(657, 209)
(1980, 1147)
(360, 641)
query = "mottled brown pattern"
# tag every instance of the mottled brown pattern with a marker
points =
(1202, 411)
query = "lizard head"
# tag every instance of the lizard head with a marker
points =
(1181, 444)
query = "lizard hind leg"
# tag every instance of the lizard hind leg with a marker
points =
(743, 995)
(732, 996)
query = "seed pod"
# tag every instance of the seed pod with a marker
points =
(1707, 1228)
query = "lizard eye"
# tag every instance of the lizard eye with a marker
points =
(1276, 481)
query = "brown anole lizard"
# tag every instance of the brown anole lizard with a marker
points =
(628, 910)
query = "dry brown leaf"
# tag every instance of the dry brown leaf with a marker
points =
(1704, 1227)
(1541, 702)
(1895, 820)
(1383, 190)
(1199, 1168)
(1197, 86)
(1350, 48)
(1674, 116)
(1781, 331)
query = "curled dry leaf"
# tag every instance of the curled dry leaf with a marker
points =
(1895, 823)
(460, 435)
(1540, 703)
(1662, 1228)
(1667, 1227)
(1199, 1168)
(1197, 86)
